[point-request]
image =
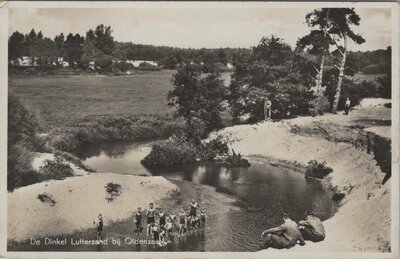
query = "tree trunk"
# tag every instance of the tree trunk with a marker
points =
(341, 75)
(318, 79)
(318, 85)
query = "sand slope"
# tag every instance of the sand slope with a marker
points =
(361, 224)
(78, 202)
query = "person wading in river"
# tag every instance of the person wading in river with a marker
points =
(182, 221)
(99, 226)
(312, 228)
(193, 208)
(284, 236)
(150, 218)
(161, 214)
(138, 222)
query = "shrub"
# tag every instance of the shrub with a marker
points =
(236, 160)
(73, 159)
(317, 169)
(112, 191)
(214, 147)
(46, 198)
(55, 169)
(19, 168)
(172, 152)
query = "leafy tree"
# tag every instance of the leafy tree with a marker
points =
(317, 43)
(73, 49)
(32, 43)
(262, 75)
(16, 45)
(340, 28)
(185, 94)
(272, 50)
(212, 94)
(59, 43)
(103, 39)
(47, 53)
(196, 97)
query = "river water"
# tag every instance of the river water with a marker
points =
(261, 193)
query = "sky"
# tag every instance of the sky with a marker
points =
(211, 27)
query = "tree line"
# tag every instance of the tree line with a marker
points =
(99, 46)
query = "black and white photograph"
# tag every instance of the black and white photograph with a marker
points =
(159, 127)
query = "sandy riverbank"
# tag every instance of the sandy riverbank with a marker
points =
(363, 221)
(78, 201)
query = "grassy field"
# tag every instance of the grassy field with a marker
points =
(62, 100)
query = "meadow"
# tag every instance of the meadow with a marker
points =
(78, 109)
(64, 100)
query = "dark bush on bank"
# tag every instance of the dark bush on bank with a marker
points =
(112, 191)
(55, 169)
(46, 198)
(23, 128)
(73, 159)
(19, 168)
(175, 151)
(317, 169)
(180, 150)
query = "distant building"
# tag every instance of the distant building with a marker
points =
(136, 63)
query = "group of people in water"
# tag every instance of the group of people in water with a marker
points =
(164, 228)
(290, 233)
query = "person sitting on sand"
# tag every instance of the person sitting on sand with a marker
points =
(182, 220)
(99, 226)
(284, 236)
(161, 215)
(150, 218)
(138, 221)
(193, 208)
(312, 228)
(203, 218)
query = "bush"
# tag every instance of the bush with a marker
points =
(73, 159)
(46, 198)
(208, 151)
(56, 170)
(19, 168)
(317, 169)
(236, 160)
(172, 152)
(112, 191)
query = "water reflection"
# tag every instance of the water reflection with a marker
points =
(262, 193)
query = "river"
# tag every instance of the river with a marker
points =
(260, 193)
